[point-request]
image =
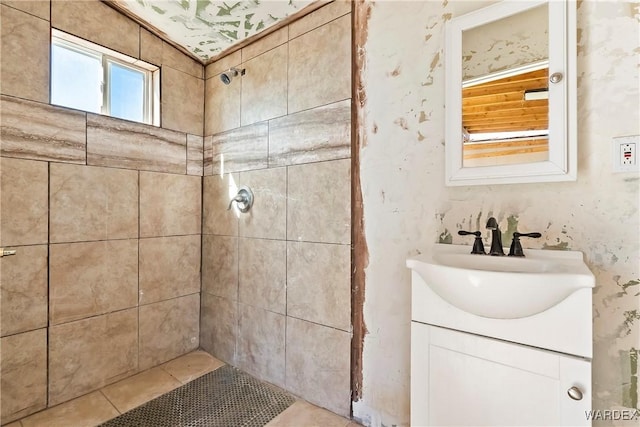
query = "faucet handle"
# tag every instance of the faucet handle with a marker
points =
(478, 246)
(516, 246)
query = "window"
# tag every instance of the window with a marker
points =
(98, 80)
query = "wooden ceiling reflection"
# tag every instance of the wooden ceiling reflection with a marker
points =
(499, 105)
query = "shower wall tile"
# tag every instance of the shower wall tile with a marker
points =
(195, 155)
(41, 9)
(231, 60)
(23, 303)
(265, 44)
(264, 86)
(32, 130)
(24, 75)
(218, 327)
(92, 203)
(263, 274)
(177, 60)
(318, 364)
(169, 267)
(261, 344)
(92, 278)
(150, 47)
(95, 21)
(168, 329)
(319, 202)
(220, 266)
(323, 133)
(23, 374)
(319, 291)
(169, 204)
(120, 144)
(221, 105)
(267, 218)
(217, 192)
(241, 149)
(331, 11)
(309, 53)
(23, 200)
(182, 105)
(88, 354)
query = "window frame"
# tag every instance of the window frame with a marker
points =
(107, 57)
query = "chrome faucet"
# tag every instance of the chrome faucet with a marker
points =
(496, 237)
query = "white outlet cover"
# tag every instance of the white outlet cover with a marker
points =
(618, 142)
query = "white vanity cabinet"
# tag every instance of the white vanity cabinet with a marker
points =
(462, 379)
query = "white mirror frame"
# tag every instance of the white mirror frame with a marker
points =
(562, 163)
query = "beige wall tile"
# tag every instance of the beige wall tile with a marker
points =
(97, 22)
(319, 202)
(31, 130)
(232, 60)
(191, 366)
(319, 17)
(323, 133)
(40, 9)
(24, 189)
(311, 83)
(91, 278)
(177, 60)
(221, 105)
(168, 329)
(217, 192)
(195, 155)
(263, 274)
(264, 87)
(218, 327)
(23, 374)
(92, 203)
(133, 392)
(220, 266)
(23, 305)
(319, 291)
(24, 65)
(267, 217)
(318, 365)
(182, 101)
(150, 47)
(169, 204)
(303, 413)
(91, 353)
(265, 44)
(91, 409)
(121, 144)
(261, 340)
(169, 267)
(240, 149)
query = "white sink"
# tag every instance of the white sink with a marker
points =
(502, 287)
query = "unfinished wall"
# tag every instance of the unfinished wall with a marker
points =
(102, 212)
(407, 208)
(276, 281)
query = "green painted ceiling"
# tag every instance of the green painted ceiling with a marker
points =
(207, 27)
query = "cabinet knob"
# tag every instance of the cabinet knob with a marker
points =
(555, 77)
(575, 393)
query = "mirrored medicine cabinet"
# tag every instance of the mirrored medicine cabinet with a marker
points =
(511, 94)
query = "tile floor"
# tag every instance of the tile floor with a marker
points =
(109, 402)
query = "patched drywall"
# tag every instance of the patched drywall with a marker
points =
(407, 208)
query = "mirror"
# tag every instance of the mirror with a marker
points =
(510, 94)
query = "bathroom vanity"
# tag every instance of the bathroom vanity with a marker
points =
(500, 340)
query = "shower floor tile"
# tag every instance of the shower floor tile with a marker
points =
(103, 405)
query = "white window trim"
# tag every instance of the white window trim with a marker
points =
(152, 72)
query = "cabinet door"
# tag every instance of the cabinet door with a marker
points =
(463, 379)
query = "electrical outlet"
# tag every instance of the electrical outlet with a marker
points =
(625, 153)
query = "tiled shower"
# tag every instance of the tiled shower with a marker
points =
(127, 256)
